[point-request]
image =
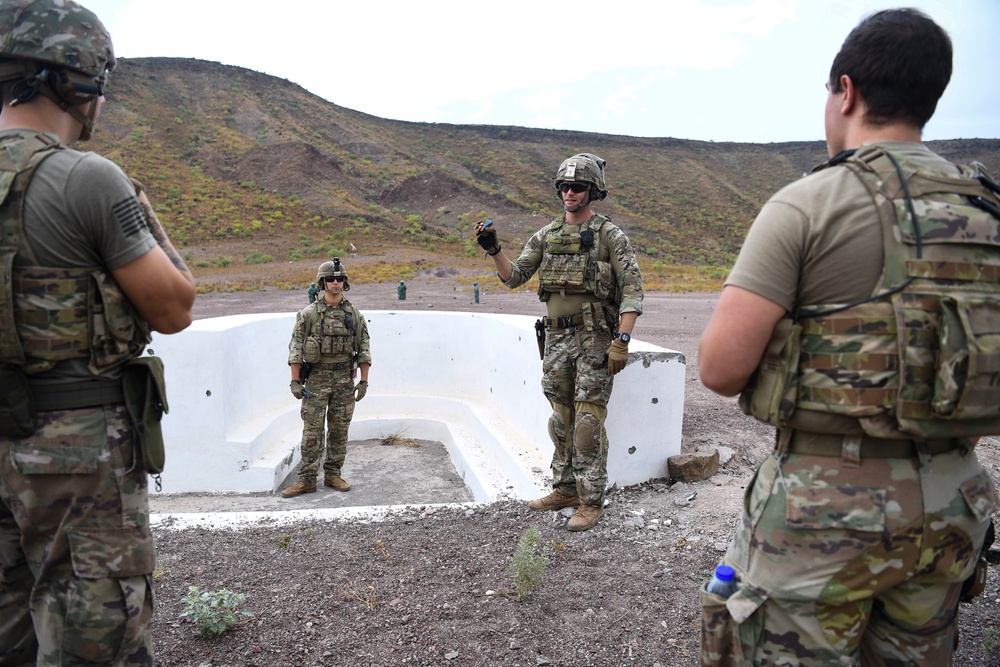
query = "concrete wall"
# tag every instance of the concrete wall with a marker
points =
(469, 380)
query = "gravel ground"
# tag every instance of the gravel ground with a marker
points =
(435, 586)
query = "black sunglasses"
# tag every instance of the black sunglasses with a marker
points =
(337, 279)
(575, 187)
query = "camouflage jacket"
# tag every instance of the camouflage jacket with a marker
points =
(594, 257)
(923, 350)
(329, 333)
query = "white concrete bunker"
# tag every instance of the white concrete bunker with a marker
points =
(469, 380)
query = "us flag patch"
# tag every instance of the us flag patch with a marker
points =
(128, 213)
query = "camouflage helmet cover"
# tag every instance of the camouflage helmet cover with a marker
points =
(58, 32)
(329, 269)
(583, 168)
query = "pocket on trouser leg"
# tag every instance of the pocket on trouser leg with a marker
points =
(729, 640)
(110, 602)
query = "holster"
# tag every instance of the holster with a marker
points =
(17, 403)
(974, 586)
(540, 338)
(146, 401)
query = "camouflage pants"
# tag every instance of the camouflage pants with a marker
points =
(76, 552)
(576, 382)
(329, 400)
(843, 565)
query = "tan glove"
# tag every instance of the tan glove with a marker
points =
(617, 356)
(297, 389)
(360, 390)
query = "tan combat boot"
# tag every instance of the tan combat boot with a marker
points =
(337, 483)
(554, 501)
(298, 489)
(584, 518)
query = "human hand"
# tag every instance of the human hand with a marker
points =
(297, 389)
(360, 390)
(617, 356)
(486, 237)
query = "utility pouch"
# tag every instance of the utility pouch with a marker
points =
(311, 350)
(146, 400)
(771, 393)
(540, 338)
(17, 403)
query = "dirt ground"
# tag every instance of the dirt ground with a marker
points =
(434, 586)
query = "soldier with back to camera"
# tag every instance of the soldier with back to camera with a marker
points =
(329, 343)
(88, 272)
(860, 319)
(590, 283)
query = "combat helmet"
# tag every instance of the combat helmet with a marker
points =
(58, 49)
(583, 168)
(329, 269)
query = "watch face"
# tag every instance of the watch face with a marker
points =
(625, 338)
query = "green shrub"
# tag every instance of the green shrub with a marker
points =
(258, 258)
(528, 563)
(214, 612)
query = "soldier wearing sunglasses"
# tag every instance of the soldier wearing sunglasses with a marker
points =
(590, 283)
(329, 344)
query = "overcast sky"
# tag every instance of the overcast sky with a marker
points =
(715, 70)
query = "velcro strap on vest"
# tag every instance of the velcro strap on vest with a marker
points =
(563, 322)
(830, 444)
(76, 395)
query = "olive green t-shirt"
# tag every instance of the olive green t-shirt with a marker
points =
(818, 240)
(81, 211)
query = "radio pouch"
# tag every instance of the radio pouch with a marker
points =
(146, 400)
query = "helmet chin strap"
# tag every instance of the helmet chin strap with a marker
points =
(87, 122)
(574, 209)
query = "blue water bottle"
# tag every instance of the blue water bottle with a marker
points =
(723, 582)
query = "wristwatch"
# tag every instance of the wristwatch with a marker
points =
(624, 337)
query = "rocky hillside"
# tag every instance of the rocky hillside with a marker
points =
(238, 159)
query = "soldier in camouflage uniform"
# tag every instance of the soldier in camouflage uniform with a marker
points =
(330, 339)
(590, 283)
(88, 271)
(860, 319)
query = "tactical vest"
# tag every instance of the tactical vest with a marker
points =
(50, 314)
(332, 332)
(924, 349)
(575, 261)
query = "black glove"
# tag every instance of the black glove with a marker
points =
(487, 240)
(297, 389)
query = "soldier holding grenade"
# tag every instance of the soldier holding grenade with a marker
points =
(590, 283)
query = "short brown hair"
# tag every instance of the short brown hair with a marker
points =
(900, 62)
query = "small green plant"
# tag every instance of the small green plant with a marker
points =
(256, 257)
(528, 563)
(214, 612)
(285, 541)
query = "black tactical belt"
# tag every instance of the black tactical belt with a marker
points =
(563, 322)
(333, 365)
(824, 444)
(76, 395)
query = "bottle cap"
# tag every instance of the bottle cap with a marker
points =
(725, 573)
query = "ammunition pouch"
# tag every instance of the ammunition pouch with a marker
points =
(17, 403)
(146, 401)
(312, 350)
